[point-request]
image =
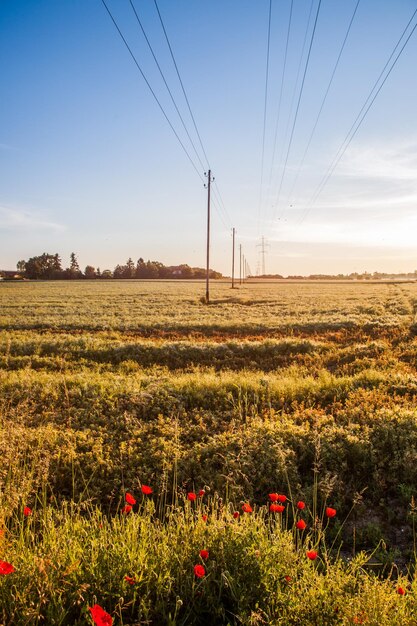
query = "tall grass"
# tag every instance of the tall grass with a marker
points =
(70, 558)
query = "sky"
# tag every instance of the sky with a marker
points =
(89, 163)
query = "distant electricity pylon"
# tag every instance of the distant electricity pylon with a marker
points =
(264, 245)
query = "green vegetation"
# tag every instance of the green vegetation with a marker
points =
(49, 267)
(304, 389)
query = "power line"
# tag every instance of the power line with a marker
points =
(217, 190)
(152, 91)
(299, 101)
(280, 96)
(181, 83)
(165, 82)
(265, 108)
(221, 205)
(292, 98)
(217, 207)
(323, 101)
(363, 112)
(295, 89)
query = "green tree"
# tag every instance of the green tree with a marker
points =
(21, 266)
(140, 269)
(119, 271)
(129, 269)
(90, 272)
(46, 266)
(74, 271)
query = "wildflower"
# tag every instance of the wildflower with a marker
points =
(277, 508)
(6, 568)
(330, 512)
(204, 518)
(199, 571)
(301, 505)
(246, 508)
(401, 591)
(130, 499)
(301, 525)
(201, 493)
(281, 498)
(100, 617)
(27, 511)
(311, 554)
(236, 514)
(288, 578)
(126, 509)
(204, 554)
(273, 497)
(191, 496)
(146, 490)
(130, 580)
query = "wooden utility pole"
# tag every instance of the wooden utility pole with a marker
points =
(240, 264)
(233, 258)
(244, 266)
(209, 180)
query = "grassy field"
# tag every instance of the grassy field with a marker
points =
(304, 389)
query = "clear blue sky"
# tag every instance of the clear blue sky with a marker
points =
(89, 164)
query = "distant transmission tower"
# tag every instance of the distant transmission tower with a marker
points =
(264, 245)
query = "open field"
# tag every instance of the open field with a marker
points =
(105, 386)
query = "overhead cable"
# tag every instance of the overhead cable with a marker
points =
(165, 83)
(152, 91)
(265, 109)
(323, 101)
(298, 102)
(362, 113)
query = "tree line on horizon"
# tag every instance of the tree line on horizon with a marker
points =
(49, 267)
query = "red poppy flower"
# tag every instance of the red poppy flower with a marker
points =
(312, 555)
(146, 490)
(130, 499)
(236, 514)
(301, 505)
(401, 591)
(288, 578)
(127, 508)
(6, 568)
(130, 580)
(246, 508)
(301, 525)
(201, 493)
(27, 511)
(330, 512)
(204, 554)
(204, 518)
(100, 617)
(277, 508)
(199, 571)
(191, 496)
(273, 497)
(281, 498)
